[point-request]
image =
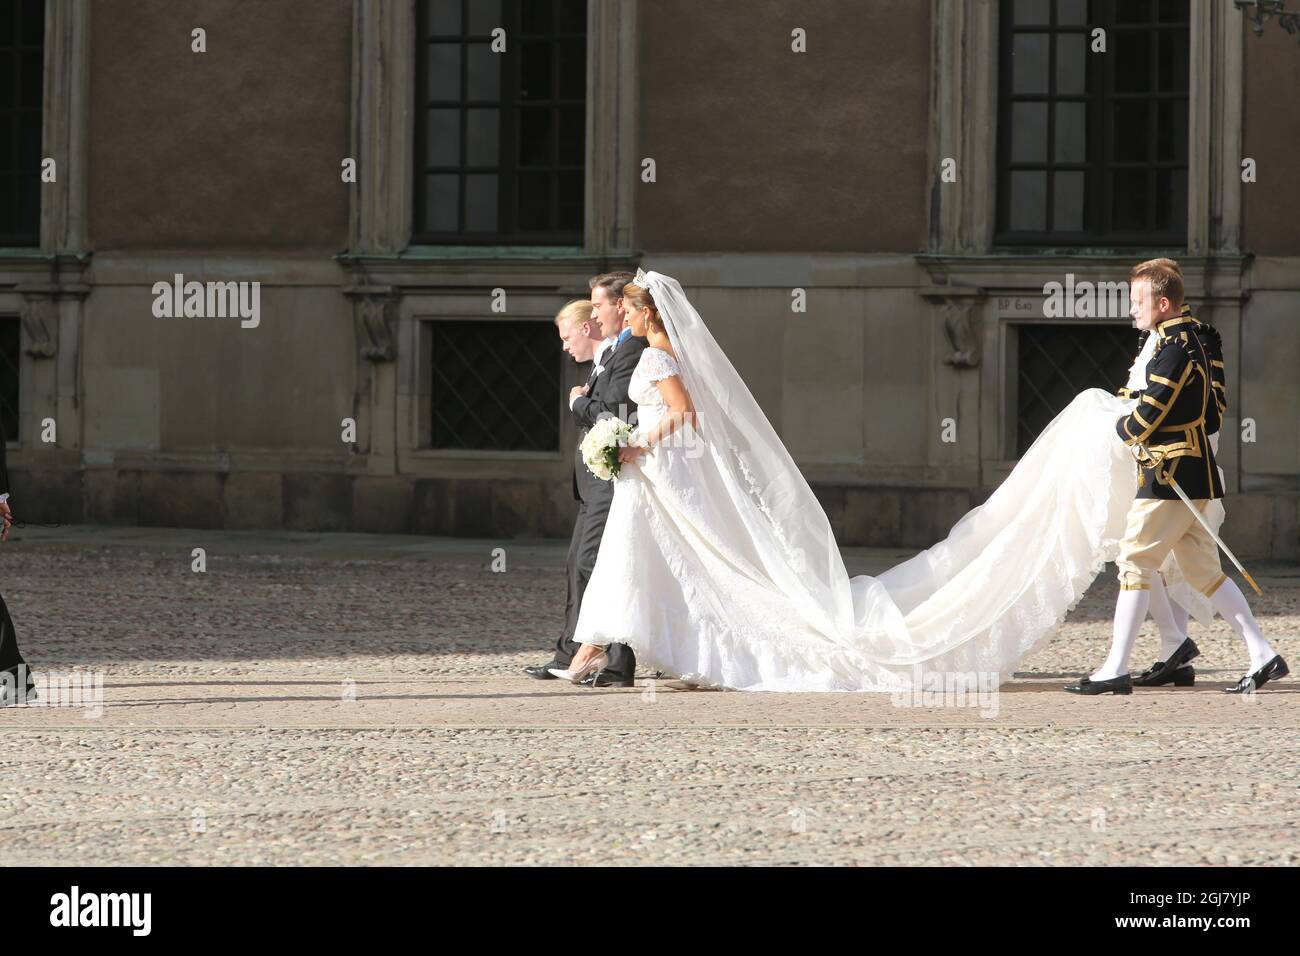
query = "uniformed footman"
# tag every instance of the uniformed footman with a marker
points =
(1169, 429)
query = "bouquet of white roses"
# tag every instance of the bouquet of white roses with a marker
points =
(600, 447)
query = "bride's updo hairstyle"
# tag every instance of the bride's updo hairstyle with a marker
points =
(640, 298)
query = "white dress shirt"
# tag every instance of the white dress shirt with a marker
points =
(1137, 373)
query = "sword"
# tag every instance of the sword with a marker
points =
(1199, 517)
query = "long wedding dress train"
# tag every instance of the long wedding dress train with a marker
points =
(717, 564)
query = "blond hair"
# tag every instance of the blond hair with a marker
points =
(1165, 276)
(574, 313)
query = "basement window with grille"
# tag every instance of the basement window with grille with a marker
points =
(1056, 361)
(495, 385)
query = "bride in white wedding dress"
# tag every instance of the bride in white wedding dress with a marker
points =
(718, 564)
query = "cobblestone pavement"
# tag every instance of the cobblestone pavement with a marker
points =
(357, 699)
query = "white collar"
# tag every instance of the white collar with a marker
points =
(1137, 373)
(601, 349)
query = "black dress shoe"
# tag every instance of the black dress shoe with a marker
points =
(541, 671)
(601, 679)
(1159, 674)
(1123, 684)
(1163, 672)
(1252, 682)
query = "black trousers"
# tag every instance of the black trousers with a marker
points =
(11, 659)
(583, 547)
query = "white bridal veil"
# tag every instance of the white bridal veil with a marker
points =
(979, 600)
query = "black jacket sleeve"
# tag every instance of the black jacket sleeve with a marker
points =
(613, 400)
(1168, 374)
(1213, 344)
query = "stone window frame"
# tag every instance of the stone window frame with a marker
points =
(1101, 228)
(47, 280)
(398, 288)
(968, 271)
(383, 127)
(964, 123)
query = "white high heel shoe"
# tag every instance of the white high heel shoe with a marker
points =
(597, 664)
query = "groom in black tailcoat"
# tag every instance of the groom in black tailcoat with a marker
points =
(14, 673)
(605, 394)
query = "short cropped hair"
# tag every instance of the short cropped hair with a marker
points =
(1165, 276)
(612, 283)
(574, 313)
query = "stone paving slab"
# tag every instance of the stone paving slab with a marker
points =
(305, 701)
(227, 734)
(705, 795)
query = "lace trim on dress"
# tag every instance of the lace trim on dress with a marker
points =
(656, 365)
(751, 486)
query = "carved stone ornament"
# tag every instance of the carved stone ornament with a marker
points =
(376, 329)
(41, 321)
(961, 321)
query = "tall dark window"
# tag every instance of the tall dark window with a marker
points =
(1055, 362)
(22, 34)
(500, 137)
(10, 366)
(496, 385)
(1092, 146)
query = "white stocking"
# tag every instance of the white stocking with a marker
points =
(1172, 631)
(1130, 611)
(1231, 604)
(1180, 616)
